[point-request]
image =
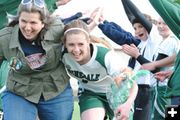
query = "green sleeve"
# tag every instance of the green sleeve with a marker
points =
(7, 6)
(51, 5)
(4, 69)
(169, 10)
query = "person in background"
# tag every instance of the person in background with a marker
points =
(38, 84)
(146, 41)
(169, 46)
(146, 48)
(169, 11)
(95, 67)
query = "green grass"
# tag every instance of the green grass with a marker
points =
(76, 113)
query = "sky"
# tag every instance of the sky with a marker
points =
(113, 11)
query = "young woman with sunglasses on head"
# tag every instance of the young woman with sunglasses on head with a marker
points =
(38, 84)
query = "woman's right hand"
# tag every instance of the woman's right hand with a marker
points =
(123, 111)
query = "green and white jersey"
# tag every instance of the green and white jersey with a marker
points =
(98, 73)
(169, 46)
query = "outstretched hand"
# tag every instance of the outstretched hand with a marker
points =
(162, 75)
(131, 50)
(96, 17)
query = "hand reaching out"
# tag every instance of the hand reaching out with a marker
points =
(131, 50)
(96, 17)
(62, 2)
(162, 75)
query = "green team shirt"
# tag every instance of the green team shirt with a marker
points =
(98, 72)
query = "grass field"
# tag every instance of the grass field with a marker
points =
(76, 113)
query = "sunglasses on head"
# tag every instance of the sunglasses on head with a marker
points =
(39, 3)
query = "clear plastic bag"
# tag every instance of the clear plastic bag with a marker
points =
(117, 95)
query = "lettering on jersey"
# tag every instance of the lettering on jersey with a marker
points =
(88, 77)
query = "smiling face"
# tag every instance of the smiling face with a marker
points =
(163, 29)
(30, 24)
(77, 45)
(140, 31)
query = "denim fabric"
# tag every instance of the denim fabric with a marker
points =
(175, 100)
(59, 108)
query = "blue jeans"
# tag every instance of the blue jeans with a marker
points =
(59, 108)
(175, 100)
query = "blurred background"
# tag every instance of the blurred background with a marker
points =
(113, 10)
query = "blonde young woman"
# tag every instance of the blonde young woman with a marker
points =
(95, 67)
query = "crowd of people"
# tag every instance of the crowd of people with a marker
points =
(39, 52)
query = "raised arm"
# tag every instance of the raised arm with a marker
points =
(133, 13)
(112, 30)
(117, 34)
